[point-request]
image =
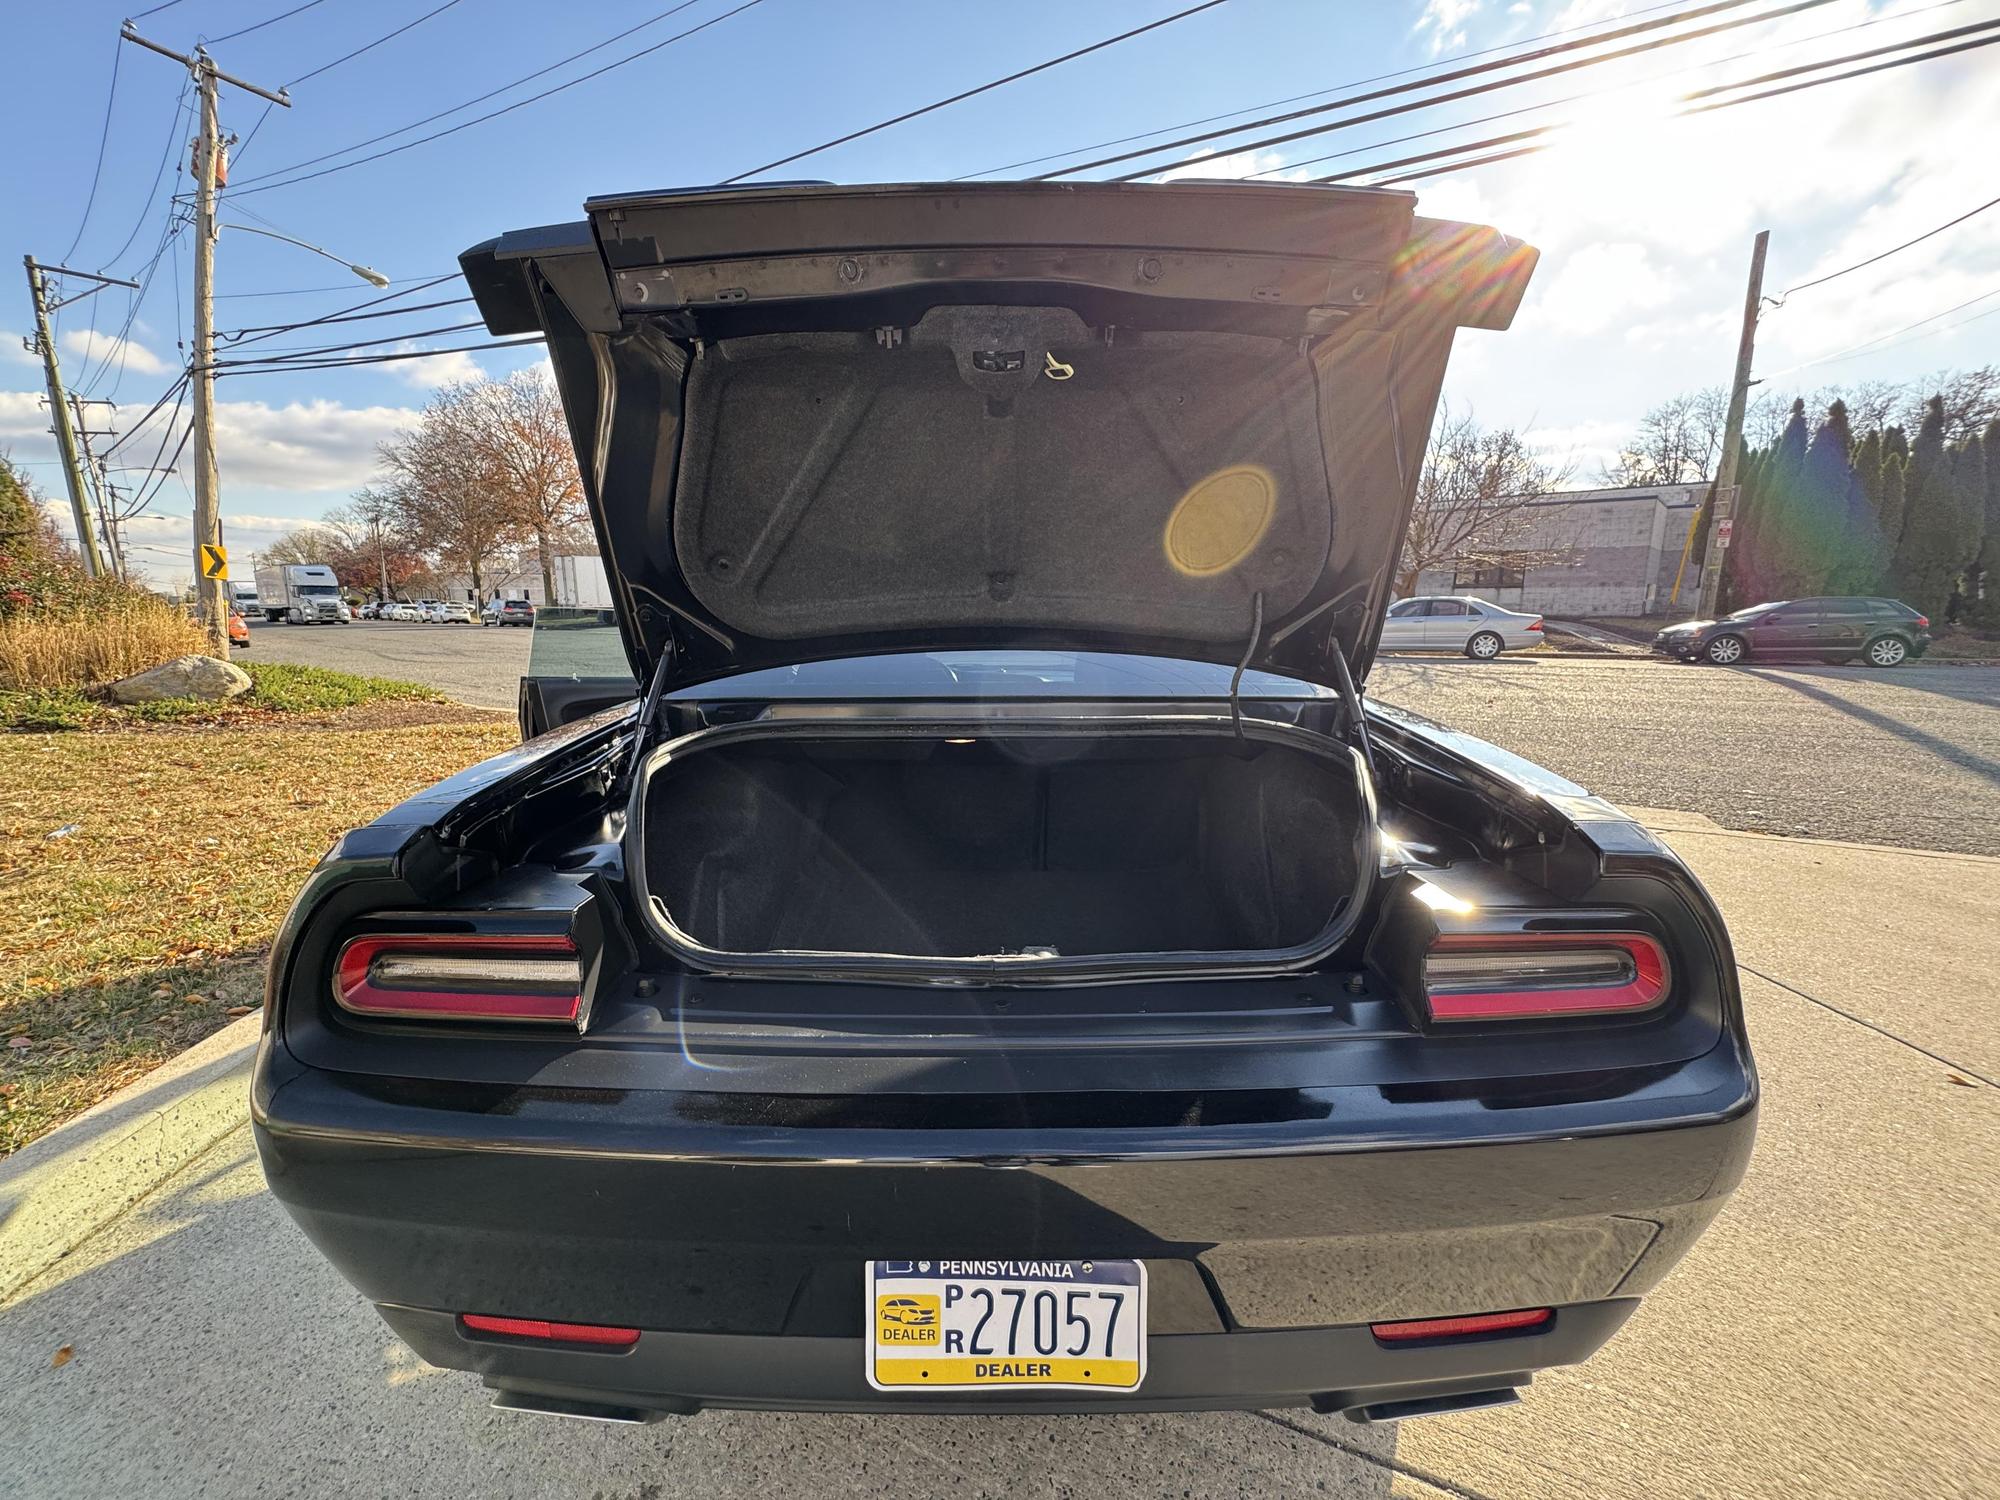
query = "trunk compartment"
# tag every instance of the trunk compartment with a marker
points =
(1021, 849)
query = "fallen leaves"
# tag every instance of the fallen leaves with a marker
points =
(239, 1010)
(63, 1356)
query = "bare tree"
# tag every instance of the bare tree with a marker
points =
(522, 436)
(444, 490)
(1971, 401)
(1678, 442)
(1476, 502)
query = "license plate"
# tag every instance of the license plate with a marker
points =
(976, 1325)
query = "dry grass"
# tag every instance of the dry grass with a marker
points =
(143, 872)
(127, 634)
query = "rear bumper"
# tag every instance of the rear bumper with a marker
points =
(739, 1250)
(1333, 1369)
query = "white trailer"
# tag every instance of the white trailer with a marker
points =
(581, 583)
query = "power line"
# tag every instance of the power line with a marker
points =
(103, 135)
(1702, 109)
(1040, 67)
(304, 291)
(505, 109)
(1927, 234)
(1356, 83)
(259, 26)
(1827, 359)
(1589, 94)
(311, 161)
(371, 46)
(286, 356)
(160, 171)
(1433, 79)
(169, 5)
(377, 359)
(254, 334)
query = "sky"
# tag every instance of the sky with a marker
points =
(1644, 221)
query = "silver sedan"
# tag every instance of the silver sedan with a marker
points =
(1477, 627)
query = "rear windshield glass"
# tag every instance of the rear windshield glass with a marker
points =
(585, 643)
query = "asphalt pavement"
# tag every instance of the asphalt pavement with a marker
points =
(1909, 757)
(1830, 1336)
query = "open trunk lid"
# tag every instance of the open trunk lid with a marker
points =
(818, 421)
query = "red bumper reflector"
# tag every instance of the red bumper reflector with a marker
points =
(556, 1333)
(1458, 1328)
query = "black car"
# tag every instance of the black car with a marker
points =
(1881, 632)
(999, 963)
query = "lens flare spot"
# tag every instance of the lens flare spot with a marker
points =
(1221, 520)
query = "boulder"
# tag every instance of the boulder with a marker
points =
(184, 677)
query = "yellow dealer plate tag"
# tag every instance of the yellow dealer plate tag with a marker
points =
(971, 1325)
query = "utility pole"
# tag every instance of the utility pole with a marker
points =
(59, 411)
(1722, 498)
(93, 473)
(207, 170)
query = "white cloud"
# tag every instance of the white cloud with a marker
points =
(438, 369)
(111, 350)
(304, 445)
(1447, 22)
(1206, 163)
(1597, 287)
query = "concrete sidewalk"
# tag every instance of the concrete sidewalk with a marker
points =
(1831, 1336)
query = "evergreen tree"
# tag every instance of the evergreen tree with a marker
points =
(20, 521)
(1736, 587)
(1838, 539)
(1985, 588)
(1932, 550)
(1868, 470)
(1894, 472)
(1896, 441)
(1969, 466)
(1779, 565)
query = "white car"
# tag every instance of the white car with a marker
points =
(408, 612)
(431, 611)
(457, 612)
(1477, 627)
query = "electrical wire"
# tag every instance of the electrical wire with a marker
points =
(159, 172)
(1588, 94)
(103, 135)
(286, 356)
(379, 359)
(272, 330)
(371, 46)
(305, 291)
(1790, 88)
(1430, 80)
(1040, 67)
(259, 26)
(1356, 83)
(1894, 333)
(313, 161)
(1927, 235)
(169, 5)
(439, 135)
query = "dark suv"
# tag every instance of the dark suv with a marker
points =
(1881, 632)
(508, 612)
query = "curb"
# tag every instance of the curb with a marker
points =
(55, 1193)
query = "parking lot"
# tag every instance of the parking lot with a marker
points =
(1908, 757)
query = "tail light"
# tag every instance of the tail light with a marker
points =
(554, 1333)
(1923, 622)
(1536, 623)
(1478, 1325)
(1523, 975)
(461, 977)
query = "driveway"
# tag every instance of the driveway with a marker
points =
(1832, 1335)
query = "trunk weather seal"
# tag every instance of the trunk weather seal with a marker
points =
(1009, 969)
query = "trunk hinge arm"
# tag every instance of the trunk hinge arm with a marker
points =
(1249, 651)
(649, 706)
(1351, 696)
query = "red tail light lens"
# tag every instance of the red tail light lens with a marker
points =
(1524, 975)
(1527, 1320)
(1923, 622)
(436, 976)
(1536, 624)
(555, 1333)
